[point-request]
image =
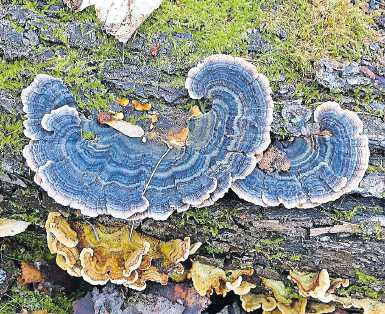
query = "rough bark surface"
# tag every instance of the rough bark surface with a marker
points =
(342, 236)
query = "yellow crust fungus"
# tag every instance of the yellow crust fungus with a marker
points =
(208, 279)
(320, 308)
(61, 229)
(368, 305)
(114, 253)
(252, 302)
(279, 290)
(315, 285)
(296, 307)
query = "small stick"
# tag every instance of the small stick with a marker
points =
(123, 57)
(94, 230)
(131, 230)
(156, 167)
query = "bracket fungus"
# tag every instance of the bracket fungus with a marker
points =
(112, 253)
(208, 279)
(311, 170)
(317, 285)
(132, 179)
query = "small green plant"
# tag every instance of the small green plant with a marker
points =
(11, 132)
(362, 286)
(346, 215)
(21, 298)
(204, 217)
(88, 135)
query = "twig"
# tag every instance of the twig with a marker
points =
(94, 230)
(156, 167)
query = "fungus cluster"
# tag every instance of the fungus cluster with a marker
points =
(103, 253)
(316, 295)
(311, 170)
(131, 178)
(208, 279)
(127, 175)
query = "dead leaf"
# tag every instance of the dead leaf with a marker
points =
(118, 116)
(30, 274)
(195, 111)
(155, 50)
(178, 138)
(124, 127)
(153, 118)
(121, 18)
(40, 312)
(11, 227)
(140, 106)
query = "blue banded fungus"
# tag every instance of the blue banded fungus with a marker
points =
(311, 170)
(131, 179)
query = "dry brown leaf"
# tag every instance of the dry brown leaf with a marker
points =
(153, 118)
(40, 312)
(155, 50)
(141, 106)
(30, 274)
(178, 138)
(195, 111)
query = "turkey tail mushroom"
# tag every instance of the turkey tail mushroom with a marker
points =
(319, 169)
(131, 179)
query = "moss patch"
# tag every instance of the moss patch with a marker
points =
(29, 246)
(300, 31)
(11, 132)
(211, 223)
(363, 286)
(21, 298)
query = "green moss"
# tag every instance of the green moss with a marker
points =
(375, 169)
(271, 249)
(29, 246)
(209, 249)
(134, 119)
(21, 298)
(365, 279)
(204, 217)
(11, 132)
(362, 286)
(10, 78)
(346, 215)
(295, 258)
(88, 135)
(61, 35)
(313, 30)
(216, 25)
